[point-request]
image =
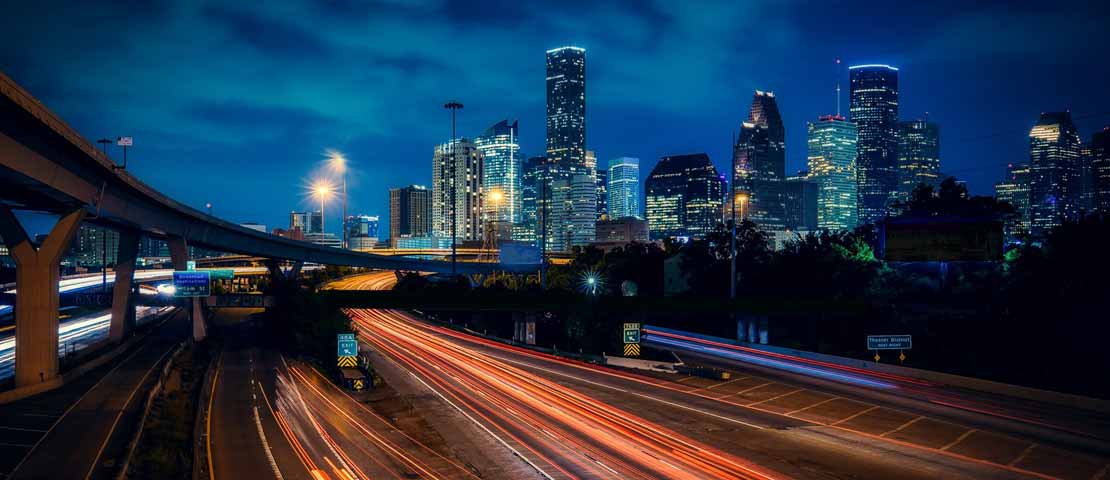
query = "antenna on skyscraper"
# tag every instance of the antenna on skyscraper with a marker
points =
(838, 86)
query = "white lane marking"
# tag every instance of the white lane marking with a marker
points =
(958, 439)
(23, 429)
(266, 445)
(641, 395)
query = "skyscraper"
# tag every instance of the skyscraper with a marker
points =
(832, 166)
(566, 107)
(602, 193)
(1100, 169)
(760, 159)
(873, 105)
(501, 172)
(307, 222)
(1055, 172)
(581, 210)
(1014, 189)
(532, 187)
(624, 188)
(457, 183)
(410, 213)
(684, 194)
(918, 156)
(799, 194)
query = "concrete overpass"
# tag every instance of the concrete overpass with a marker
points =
(47, 166)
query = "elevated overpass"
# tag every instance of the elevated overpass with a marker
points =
(46, 166)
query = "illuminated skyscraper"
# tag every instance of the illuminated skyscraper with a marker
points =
(1100, 170)
(873, 104)
(684, 194)
(799, 195)
(918, 156)
(566, 107)
(832, 166)
(624, 188)
(1015, 191)
(1055, 172)
(760, 159)
(456, 180)
(501, 172)
(532, 178)
(602, 193)
(410, 212)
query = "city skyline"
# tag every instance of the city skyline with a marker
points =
(286, 124)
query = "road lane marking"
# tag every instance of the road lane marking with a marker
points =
(861, 412)
(23, 429)
(904, 425)
(266, 444)
(724, 383)
(19, 445)
(787, 394)
(958, 439)
(745, 390)
(1024, 454)
(822, 402)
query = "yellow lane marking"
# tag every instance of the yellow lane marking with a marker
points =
(777, 397)
(861, 412)
(958, 439)
(1024, 454)
(746, 390)
(904, 425)
(822, 402)
(208, 416)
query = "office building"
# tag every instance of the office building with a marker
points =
(800, 198)
(566, 107)
(457, 191)
(620, 231)
(873, 106)
(1100, 170)
(362, 232)
(1055, 172)
(602, 193)
(832, 167)
(410, 212)
(501, 172)
(1014, 189)
(624, 188)
(918, 156)
(94, 246)
(325, 239)
(684, 194)
(760, 160)
(307, 222)
(531, 187)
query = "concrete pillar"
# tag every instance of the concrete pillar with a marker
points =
(123, 299)
(179, 256)
(36, 298)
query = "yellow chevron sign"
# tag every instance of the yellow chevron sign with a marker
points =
(632, 349)
(349, 361)
(358, 384)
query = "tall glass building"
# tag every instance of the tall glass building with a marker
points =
(873, 105)
(1100, 170)
(1014, 189)
(832, 166)
(1055, 172)
(566, 107)
(760, 160)
(624, 188)
(684, 194)
(457, 190)
(918, 156)
(602, 193)
(501, 171)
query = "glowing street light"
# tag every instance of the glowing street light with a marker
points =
(322, 190)
(338, 164)
(737, 198)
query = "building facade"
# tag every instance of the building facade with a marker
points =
(1014, 189)
(620, 231)
(760, 162)
(800, 197)
(410, 212)
(307, 222)
(602, 193)
(1055, 171)
(873, 107)
(684, 194)
(624, 188)
(457, 191)
(832, 166)
(501, 171)
(362, 231)
(1100, 170)
(566, 107)
(918, 156)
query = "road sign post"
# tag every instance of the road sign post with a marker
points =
(347, 350)
(631, 339)
(890, 342)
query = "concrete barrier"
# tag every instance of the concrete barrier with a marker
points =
(987, 386)
(640, 364)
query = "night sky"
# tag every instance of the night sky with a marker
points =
(236, 106)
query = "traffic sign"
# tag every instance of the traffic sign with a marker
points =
(125, 141)
(632, 349)
(222, 273)
(190, 265)
(347, 346)
(631, 333)
(347, 362)
(358, 384)
(191, 284)
(889, 342)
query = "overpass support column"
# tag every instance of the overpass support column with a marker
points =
(123, 299)
(36, 309)
(277, 277)
(179, 256)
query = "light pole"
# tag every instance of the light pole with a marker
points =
(104, 142)
(209, 207)
(339, 165)
(736, 198)
(322, 190)
(453, 106)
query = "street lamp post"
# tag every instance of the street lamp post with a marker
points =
(321, 190)
(453, 106)
(339, 165)
(736, 198)
(104, 142)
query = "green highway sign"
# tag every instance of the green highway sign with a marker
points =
(347, 345)
(631, 333)
(191, 284)
(889, 342)
(221, 273)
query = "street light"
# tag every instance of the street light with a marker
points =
(323, 190)
(736, 198)
(338, 164)
(453, 106)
